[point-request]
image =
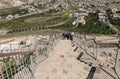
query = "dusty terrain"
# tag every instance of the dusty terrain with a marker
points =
(62, 64)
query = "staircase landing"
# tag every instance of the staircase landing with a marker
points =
(63, 64)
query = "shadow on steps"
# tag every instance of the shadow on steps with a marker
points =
(91, 73)
(80, 55)
(73, 45)
(75, 49)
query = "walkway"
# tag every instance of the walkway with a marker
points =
(62, 64)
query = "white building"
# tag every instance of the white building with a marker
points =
(16, 16)
(102, 17)
(32, 9)
(9, 17)
(7, 48)
(114, 10)
(116, 15)
(74, 23)
(81, 18)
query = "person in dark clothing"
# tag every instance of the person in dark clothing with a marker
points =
(67, 36)
(71, 37)
(63, 35)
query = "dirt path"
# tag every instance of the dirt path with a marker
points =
(62, 64)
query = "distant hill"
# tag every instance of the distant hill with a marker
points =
(13, 3)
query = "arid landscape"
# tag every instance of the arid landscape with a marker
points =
(59, 39)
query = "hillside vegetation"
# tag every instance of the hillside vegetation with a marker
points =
(92, 26)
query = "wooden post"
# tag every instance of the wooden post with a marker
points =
(2, 74)
(6, 69)
(95, 47)
(117, 61)
(14, 66)
(96, 51)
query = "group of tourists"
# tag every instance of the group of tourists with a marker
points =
(68, 36)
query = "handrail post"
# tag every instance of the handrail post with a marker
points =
(117, 59)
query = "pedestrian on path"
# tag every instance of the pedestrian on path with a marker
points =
(71, 36)
(63, 36)
(68, 36)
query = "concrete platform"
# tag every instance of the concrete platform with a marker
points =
(62, 64)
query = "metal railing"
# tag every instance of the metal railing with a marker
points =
(23, 64)
(107, 55)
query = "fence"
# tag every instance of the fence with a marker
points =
(107, 54)
(22, 65)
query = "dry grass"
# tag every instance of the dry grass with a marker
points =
(86, 68)
(97, 70)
